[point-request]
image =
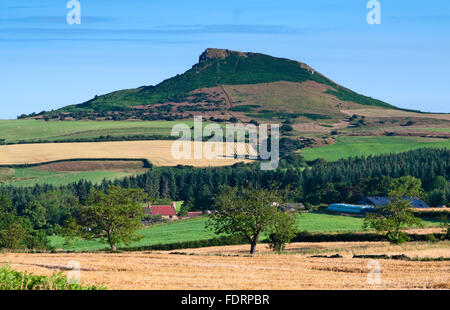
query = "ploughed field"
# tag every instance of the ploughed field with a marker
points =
(231, 267)
(157, 152)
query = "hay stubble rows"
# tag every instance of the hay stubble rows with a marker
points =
(231, 268)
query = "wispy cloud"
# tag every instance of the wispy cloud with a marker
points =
(147, 41)
(23, 6)
(77, 32)
(53, 19)
(226, 28)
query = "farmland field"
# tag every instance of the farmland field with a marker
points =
(364, 146)
(16, 130)
(194, 229)
(157, 152)
(435, 129)
(231, 267)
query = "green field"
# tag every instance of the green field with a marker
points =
(194, 229)
(32, 176)
(185, 230)
(435, 129)
(16, 130)
(364, 146)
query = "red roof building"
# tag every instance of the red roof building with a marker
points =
(164, 210)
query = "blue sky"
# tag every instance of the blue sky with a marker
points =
(46, 64)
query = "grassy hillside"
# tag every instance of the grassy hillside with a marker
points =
(229, 68)
(364, 146)
(194, 229)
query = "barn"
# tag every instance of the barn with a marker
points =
(382, 201)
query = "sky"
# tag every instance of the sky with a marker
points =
(46, 63)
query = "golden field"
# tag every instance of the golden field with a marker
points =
(157, 152)
(231, 267)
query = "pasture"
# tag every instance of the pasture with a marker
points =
(364, 146)
(231, 267)
(16, 130)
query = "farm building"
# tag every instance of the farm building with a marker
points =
(347, 208)
(381, 201)
(166, 211)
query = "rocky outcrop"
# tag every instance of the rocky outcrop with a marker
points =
(216, 53)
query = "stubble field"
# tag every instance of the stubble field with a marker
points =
(231, 268)
(157, 152)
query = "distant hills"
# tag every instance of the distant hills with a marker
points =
(230, 84)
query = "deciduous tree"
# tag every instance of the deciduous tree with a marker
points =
(247, 212)
(112, 216)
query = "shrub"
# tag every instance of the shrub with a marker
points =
(286, 127)
(15, 280)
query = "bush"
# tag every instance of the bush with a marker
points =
(15, 280)
(286, 127)
(153, 219)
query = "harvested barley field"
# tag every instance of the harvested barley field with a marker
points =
(231, 268)
(157, 152)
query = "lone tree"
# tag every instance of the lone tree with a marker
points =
(398, 214)
(112, 216)
(248, 213)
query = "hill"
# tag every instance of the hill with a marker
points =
(229, 84)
